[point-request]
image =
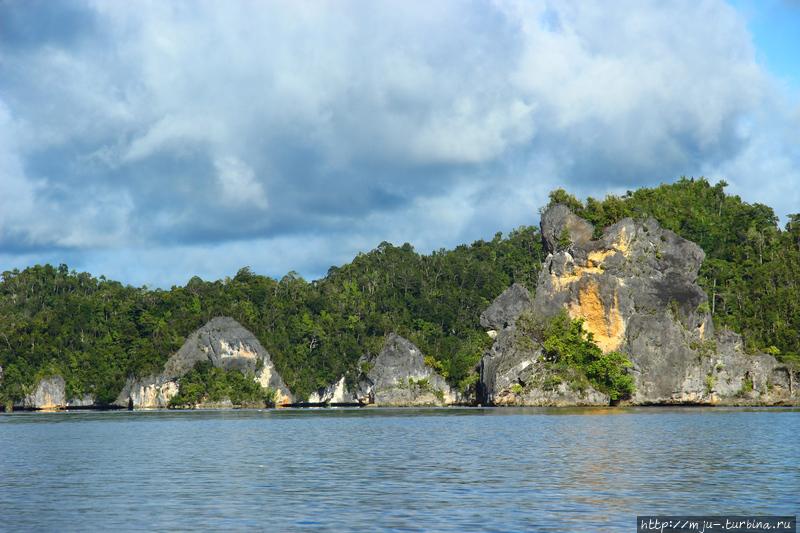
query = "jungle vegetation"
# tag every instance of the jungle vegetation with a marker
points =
(96, 332)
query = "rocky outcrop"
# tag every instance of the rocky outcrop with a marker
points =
(225, 344)
(85, 401)
(506, 308)
(398, 376)
(513, 373)
(561, 228)
(636, 290)
(48, 394)
(337, 393)
(395, 377)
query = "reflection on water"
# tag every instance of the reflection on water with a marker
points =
(407, 469)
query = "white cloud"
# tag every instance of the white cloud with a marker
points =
(238, 183)
(433, 123)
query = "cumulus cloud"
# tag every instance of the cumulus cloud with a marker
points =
(254, 129)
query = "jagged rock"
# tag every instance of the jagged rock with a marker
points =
(636, 290)
(506, 308)
(560, 224)
(398, 376)
(513, 373)
(48, 394)
(335, 393)
(225, 344)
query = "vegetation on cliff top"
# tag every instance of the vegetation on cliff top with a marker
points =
(96, 332)
(752, 268)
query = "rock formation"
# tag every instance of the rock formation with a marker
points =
(397, 377)
(335, 393)
(506, 308)
(48, 394)
(513, 373)
(225, 344)
(636, 290)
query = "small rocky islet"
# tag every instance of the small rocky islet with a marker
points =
(634, 288)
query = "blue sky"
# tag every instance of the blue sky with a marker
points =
(151, 141)
(775, 28)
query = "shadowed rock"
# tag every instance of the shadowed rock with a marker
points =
(506, 308)
(398, 376)
(513, 373)
(560, 227)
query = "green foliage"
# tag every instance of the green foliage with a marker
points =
(205, 383)
(751, 272)
(564, 239)
(567, 345)
(706, 348)
(96, 333)
(710, 382)
(517, 388)
(747, 386)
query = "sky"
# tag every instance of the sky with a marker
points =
(151, 141)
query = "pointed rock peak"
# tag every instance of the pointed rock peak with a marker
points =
(399, 376)
(506, 308)
(223, 342)
(561, 228)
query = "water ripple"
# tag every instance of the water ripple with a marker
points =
(393, 469)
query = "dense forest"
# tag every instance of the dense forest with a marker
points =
(96, 332)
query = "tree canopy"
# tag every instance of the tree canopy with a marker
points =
(96, 332)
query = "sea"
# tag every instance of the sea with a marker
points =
(381, 469)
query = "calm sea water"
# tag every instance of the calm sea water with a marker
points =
(394, 469)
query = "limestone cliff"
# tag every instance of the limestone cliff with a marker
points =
(48, 394)
(225, 344)
(397, 377)
(512, 371)
(636, 290)
(505, 309)
(336, 393)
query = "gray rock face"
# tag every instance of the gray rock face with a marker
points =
(513, 373)
(49, 394)
(398, 376)
(559, 224)
(636, 290)
(506, 308)
(225, 344)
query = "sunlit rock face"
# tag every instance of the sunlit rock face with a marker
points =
(48, 394)
(636, 290)
(225, 344)
(335, 393)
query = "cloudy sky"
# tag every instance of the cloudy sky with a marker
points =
(152, 141)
